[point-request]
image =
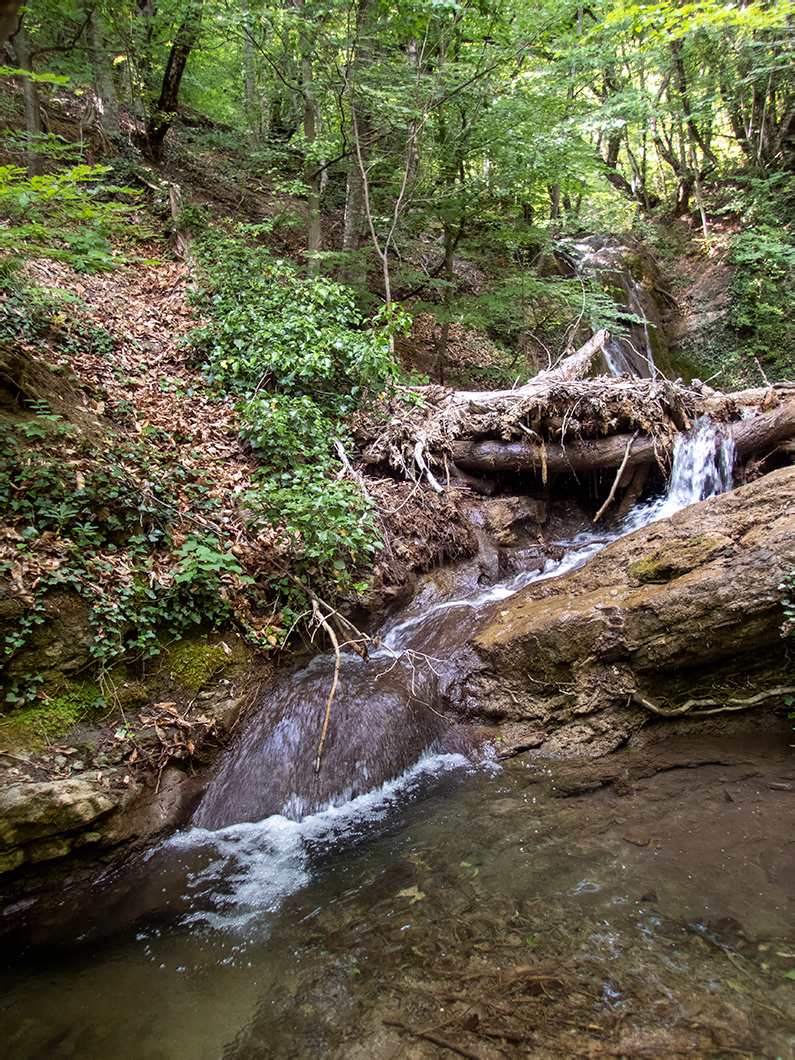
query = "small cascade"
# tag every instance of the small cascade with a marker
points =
(703, 466)
(386, 714)
(382, 721)
(630, 350)
(632, 353)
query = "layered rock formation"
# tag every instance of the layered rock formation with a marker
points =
(682, 617)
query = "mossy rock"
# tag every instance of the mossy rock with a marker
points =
(194, 662)
(35, 725)
(674, 559)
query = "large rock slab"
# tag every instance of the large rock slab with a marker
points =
(685, 609)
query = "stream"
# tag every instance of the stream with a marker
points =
(416, 895)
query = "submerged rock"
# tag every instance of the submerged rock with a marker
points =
(686, 609)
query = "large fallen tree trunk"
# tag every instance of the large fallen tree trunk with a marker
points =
(584, 455)
(765, 430)
(560, 423)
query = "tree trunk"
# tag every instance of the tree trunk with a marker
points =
(103, 76)
(33, 130)
(163, 114)
(354, 218)
(253, 104)
(584, 455)
(750, 436)
(363, 131)
(314, 234)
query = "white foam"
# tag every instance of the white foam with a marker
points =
(248, 870)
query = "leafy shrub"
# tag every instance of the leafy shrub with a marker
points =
(65, 215)
(299, 355)
(331, 524)
(284, 431)
(273, 331)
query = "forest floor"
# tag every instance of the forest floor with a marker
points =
(108, 353)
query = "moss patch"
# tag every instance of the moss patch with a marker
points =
(673, 560)
(193, 664)
(35, 726)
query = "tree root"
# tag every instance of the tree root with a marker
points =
(718, 706)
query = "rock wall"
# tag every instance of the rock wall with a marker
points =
(686, 609)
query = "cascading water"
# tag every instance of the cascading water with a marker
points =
(629, 351)
(703, 466)
(253, 939)
(385, 714)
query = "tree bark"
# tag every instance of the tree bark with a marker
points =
(362, 129)
(583, 455)
(33, 129)
(253, 103)
(767, 429)
(163, 114)
(103, 76)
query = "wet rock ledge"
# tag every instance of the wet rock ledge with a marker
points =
(681, 619)
(102, 792)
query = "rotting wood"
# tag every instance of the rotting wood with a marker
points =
(764, 430)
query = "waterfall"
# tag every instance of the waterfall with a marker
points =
(609, 264)
(703, 466)
(386, 716)
(632, 354)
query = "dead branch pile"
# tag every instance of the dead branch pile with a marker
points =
(558, 423)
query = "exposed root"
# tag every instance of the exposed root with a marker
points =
(716, 706)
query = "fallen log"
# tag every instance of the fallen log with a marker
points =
(584, 455)
(754, 435)
(765, 430)
(559, 422)
(575, 366)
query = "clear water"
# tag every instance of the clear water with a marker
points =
(651, 920)
(660, 916)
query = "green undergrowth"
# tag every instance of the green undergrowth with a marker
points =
(762, 306)
(755, 340)
(72, 214)
(138, 544)
(298, 358)
(99, 523)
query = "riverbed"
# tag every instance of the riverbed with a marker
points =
(477, 907)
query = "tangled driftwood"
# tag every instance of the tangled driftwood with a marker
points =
(561, 423)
